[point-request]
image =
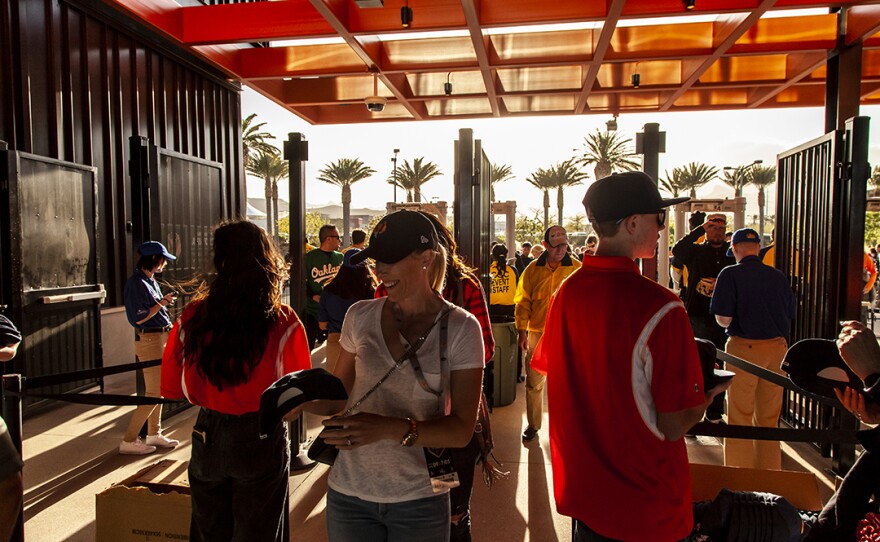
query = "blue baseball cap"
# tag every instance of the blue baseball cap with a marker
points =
(745, 235)
(155, 248)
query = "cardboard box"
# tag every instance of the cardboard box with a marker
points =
(800, 488)
(153, 504)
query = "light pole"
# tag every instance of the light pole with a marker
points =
(394, 172)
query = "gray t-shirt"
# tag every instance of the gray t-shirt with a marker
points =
(385, 471)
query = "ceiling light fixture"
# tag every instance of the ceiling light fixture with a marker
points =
(636, 78)
(406, 15)
(689, 4)
(447, 86)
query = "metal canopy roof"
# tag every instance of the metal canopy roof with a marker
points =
(524, 57)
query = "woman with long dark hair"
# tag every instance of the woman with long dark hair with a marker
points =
(352, 283)
(232, 342)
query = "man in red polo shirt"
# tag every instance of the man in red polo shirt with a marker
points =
(620, 403)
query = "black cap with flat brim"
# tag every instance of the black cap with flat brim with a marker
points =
(625, 194)
(815, 365)
(712, 376)
(294, 389)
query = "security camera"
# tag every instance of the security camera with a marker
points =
(375, 103)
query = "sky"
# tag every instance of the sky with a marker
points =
(717, 138)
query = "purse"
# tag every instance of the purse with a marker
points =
(325, 453)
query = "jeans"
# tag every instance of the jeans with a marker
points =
(460, 497)
(350, 519)
(238, 482)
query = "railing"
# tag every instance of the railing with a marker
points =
(819, 242)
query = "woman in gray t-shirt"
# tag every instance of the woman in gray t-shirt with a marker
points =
(391, 478)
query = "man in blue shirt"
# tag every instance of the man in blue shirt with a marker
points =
(756, 304)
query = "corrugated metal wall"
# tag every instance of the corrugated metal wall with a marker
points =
(75, 84)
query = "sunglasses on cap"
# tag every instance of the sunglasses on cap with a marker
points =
(661, 218)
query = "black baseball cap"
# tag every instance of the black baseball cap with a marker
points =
(815, 365)
(624, 194)
(294, 389)
(711, 375)
(397, 236)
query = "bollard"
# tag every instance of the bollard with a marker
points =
(12, 386)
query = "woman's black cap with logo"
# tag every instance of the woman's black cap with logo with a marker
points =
(397, 236)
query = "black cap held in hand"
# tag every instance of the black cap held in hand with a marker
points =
(294, 389)
(815, 365)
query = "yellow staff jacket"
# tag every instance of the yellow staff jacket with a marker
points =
(536, 285)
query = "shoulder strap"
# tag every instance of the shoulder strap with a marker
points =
(409, 354)
(444, 359)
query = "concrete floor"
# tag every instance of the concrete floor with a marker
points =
(71, 455)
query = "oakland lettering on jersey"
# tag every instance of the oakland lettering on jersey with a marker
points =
(324, 273)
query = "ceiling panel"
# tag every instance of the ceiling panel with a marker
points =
(521, 57)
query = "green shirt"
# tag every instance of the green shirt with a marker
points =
(320, 268)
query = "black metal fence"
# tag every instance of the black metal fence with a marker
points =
(819, 241)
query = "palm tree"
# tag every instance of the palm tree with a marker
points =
(499, 174)
(737, 178)
(761, 177)
(542, 180)
(412, 177)
(563, 175)
(609, 152)
(253, 140)
(672, 183)
(344, 173)
(271, 168)
(695, 175)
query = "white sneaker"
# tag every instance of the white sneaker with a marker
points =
(161, 441)
(136, 448)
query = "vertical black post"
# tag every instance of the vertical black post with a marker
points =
(843, 79)
(12, 384)
(464, 220)
(650, 144)
(854, 179)
(296, 152)
(139, 172)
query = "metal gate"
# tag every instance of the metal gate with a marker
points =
(820, 230)
(177, 199)
(50, 284)
(473, 218)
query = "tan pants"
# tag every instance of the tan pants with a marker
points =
(754, 401)
(332, 350)
(534, 385)
(149, 347)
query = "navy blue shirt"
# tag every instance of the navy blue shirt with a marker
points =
(9, 335)
(139, 295)
(332, 309)
(757, 297)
